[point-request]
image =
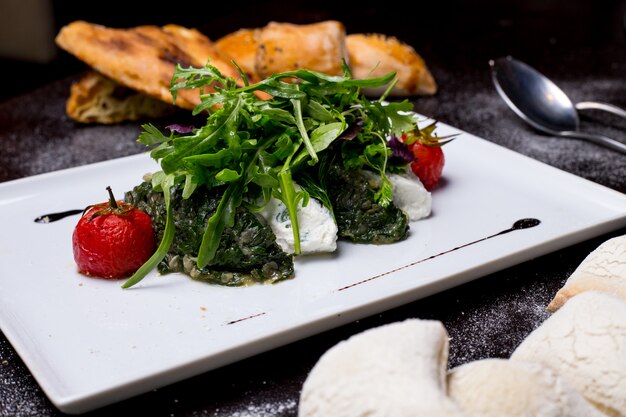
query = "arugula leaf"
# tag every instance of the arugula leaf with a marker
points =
(164, 245)
(217, 159)
(297, 108)
(289, 197)
(227, 175)
(400, 118)
(159, 254)
(191, 183)
(324, 135)
(317, 111)
(224, 216)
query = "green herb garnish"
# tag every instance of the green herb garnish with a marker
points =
(253, 148)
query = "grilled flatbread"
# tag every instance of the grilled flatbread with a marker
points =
(321, 47)
(373, 55)
(284, 47)
(241, 46)
(143, 58)
(280, 47)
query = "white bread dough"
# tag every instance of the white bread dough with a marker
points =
(396, 370)
(585, 342)
(500, 387)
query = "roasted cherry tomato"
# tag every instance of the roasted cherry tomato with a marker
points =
(428, 163)
(112, 239)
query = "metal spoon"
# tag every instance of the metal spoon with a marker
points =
(542, 104)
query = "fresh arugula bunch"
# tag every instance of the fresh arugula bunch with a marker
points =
(251, 147)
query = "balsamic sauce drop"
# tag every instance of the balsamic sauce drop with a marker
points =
(53, 217)
(518, 225)
(525, 224)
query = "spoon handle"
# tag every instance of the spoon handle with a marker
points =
(598, 139)
(594, 105)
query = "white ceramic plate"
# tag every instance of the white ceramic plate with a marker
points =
(89, 343)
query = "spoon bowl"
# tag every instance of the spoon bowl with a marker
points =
(542, 104)
(533, 97)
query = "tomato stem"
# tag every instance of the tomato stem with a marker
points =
(112, 198)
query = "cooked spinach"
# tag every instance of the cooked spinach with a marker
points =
(247, 251)
(359, 217)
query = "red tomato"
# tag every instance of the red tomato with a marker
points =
(428, 164)
(112, 239)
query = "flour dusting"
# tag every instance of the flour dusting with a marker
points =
(283, 408)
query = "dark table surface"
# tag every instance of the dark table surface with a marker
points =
(581, 48)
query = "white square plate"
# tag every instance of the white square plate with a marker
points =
(89, 343)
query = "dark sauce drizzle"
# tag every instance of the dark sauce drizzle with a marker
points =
(53, 217)
(245, 318)
(518, 225)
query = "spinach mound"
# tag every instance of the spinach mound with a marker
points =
(247, 252)
(359, 217)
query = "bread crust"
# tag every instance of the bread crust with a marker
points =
(142, 58)
(373, 55)
(285, 47)
(98, 99)
(241, 46)
(322, 46)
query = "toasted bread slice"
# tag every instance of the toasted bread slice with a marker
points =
(285, 47)
(241, 47)
(280, 47)
(143, 58)
(373, 55)
(98, 99)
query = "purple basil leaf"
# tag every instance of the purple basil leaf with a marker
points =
(351, 132)
(180, 128)
(400, 150)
